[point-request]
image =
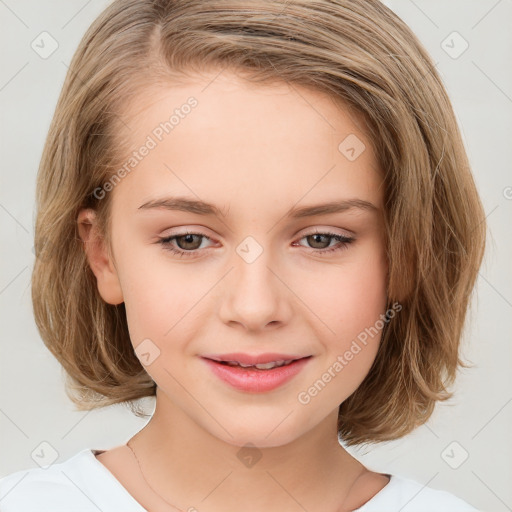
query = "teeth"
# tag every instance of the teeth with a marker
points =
(260, 366)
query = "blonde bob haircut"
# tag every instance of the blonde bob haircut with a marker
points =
(363, 56)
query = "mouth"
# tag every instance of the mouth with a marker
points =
(260, 366)
(266, 361)
(255, 376)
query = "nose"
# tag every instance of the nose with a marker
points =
(255, 296)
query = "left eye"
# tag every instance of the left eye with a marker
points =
(316, 238)
(189, 243)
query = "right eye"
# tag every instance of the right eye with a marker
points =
(187, 243)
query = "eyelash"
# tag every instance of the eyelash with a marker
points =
(344, 242)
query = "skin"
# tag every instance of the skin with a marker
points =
(254, 151)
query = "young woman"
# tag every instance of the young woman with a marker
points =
(262, 214)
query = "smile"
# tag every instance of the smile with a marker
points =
(256, 377)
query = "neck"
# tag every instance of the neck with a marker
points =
(188, 466)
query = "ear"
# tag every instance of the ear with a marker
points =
(99, 260)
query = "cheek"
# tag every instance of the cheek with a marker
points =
(349, 300)
(159, 297)
(349, 297)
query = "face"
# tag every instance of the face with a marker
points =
(217, 250)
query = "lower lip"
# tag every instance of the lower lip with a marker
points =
(253, 380)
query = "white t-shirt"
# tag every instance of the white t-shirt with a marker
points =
(83, 484)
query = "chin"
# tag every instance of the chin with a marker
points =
(264, 433)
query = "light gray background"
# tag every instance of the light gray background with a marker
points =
(33, 405)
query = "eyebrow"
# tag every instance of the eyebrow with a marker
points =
(203, 208)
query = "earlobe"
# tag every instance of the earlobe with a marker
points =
(98, 258)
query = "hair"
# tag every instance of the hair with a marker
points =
(363, 56)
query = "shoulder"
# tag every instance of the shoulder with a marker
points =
(80, 483)
(54, 488)
(408, 495)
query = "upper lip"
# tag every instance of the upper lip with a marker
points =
(238, 357)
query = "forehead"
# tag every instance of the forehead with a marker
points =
(223, 138)
(227, 100)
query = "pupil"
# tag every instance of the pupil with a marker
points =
(188, 240)
(315, 240)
